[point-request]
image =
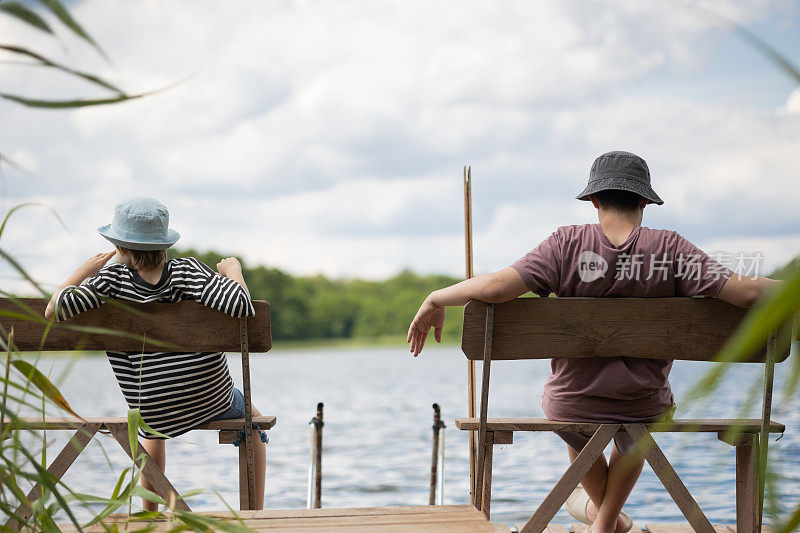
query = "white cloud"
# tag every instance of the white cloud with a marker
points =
(793, 103)
(329, 137)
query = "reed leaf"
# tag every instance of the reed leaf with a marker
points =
(119, 497)
(41, 382)
(43, 61)
(136, 422)
(57, 9)
(792, 524)
(148, 495)
(47, 481)
(754, 41)
(775, 311)
(11, 163)
(64, 104)
(26, 15)
(16, 266)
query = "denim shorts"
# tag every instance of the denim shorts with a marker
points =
(237, 407)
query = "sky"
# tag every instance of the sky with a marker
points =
(330, 137)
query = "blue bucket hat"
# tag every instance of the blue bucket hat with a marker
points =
(140, 223)
(622, 171)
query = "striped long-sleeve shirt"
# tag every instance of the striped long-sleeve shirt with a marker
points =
(175, 391)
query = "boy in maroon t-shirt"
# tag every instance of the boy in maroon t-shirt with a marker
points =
(616, 258)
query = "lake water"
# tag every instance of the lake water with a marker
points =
(377, 436)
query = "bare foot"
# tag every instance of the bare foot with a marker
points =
(591, 514)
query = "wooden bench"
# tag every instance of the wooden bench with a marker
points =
(657, 328)
(125, 326)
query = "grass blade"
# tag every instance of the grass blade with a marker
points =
(62, 104)
(66, 19)
(41, 382)
(42, 60)
(26, 15)
(13, 262)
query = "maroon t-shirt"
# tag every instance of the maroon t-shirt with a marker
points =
(581, 261)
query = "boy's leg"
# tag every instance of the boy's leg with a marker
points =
(608, 486)
(623, 472)
(157, 450)
(260, 463)
(594, 482)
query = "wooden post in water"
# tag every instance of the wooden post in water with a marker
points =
(470, 363)
(315, 480)
(438, 425)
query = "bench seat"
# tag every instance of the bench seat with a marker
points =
(55, 423)
(679, 425)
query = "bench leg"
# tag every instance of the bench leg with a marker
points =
(579, 467)
(57, 469)
(244, 492)
(669, 478)
(150, 470)
(486, 494)
(747, 484)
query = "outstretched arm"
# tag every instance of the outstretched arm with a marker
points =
(497, 287)
(89, 268)
(745, 291)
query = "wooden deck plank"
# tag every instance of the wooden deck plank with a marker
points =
(415, 527)
(764, 529)
(680, 528)
(552, 528)
(580, 528)
(385, 519)
(347, 511)
(680, 425)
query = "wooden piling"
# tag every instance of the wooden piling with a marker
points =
(317, 423)
(438, 425)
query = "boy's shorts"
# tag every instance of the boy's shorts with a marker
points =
(578, 439)
(624, 443)
(237, 407)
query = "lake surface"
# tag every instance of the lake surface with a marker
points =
(377, 436)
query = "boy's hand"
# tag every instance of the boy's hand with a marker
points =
(429, 316)
(88, 268)
(92, 266)
(229, 266)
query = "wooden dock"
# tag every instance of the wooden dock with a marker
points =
(650, 528)
(408, 519)
(411, 519)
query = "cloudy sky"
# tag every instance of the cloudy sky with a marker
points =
(329, 137)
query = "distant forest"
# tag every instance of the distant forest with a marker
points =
(317, 307)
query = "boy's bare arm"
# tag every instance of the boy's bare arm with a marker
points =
(88, 268)
(231, 268)
(497, 287)
(745, 291)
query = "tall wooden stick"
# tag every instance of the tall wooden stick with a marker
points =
(470, 363)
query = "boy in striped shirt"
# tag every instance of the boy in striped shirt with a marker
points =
(175, 391)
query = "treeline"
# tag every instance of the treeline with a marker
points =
(317, 307)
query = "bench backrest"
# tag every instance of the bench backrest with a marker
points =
(654, 328)
(183, 326)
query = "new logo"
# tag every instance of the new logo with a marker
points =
(591, 266)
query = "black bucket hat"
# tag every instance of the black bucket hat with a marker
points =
(622, 171)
